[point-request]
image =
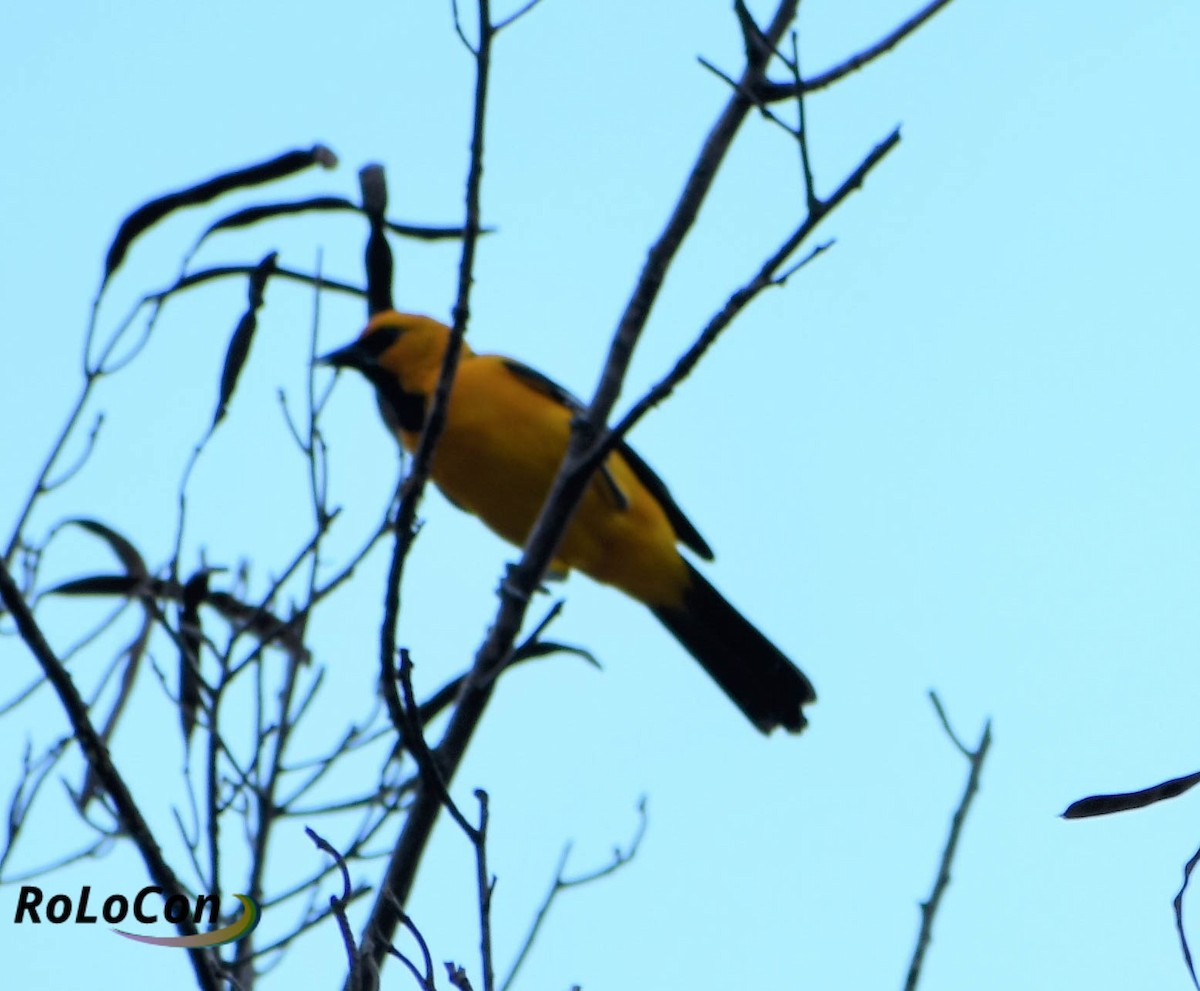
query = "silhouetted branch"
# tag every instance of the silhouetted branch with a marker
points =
(929, 908)
(1177, 904)
(381, 926)
(425, 978)
(784, 91)
(338, 905)
(516, 15)
(765, 278)
(561, 884)
(98, 758)
(485, 884)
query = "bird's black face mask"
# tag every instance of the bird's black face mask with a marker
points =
(400, 410)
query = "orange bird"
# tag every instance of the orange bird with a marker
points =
(506, 432)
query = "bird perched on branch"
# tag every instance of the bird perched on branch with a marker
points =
(505, 435)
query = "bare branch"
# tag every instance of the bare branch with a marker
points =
(381, 925)
(486, 885)
(72, 470)
(562, 883)
(311, 922)
(929, 908)
(776, 91)
(755, 98)
(414, 738)
(1178, 906)
(742, 297)
(96, 754)
(338, 905)
(458, 976)
(34, 774)
(40, 483)
(810, 193)
(458, 29)
(945, 721)
(516, 15)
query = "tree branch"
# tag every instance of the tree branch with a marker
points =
(929, 908)
(96, 754)
(783, 91)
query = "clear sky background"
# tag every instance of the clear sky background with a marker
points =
(957, 452)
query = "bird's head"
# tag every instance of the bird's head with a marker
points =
(395, 342)
(401, 355)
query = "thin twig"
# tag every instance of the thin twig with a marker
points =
(755, 98)
(311, 920)
(516, 15)
(810, 193)
(764, 278)
(264, 799)
(929, 908)
(39, 483)
(458, 29)
(855, 62)
(96, 754)
(485, 885)
(457, 976)
(71, 470)
(1177, 905)
(338, 905)
(413, 734)
(945, 721)
(381, 925)
(412, 967)
(426, 980)
(34, 774)
(561, 884)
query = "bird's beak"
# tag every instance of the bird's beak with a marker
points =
(351, 356)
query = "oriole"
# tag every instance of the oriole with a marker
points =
(506, 432)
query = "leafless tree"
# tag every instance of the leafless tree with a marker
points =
(241, 676)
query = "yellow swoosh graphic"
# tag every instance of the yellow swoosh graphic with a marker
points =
(218, 937)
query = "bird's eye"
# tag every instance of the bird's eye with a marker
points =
(378, 341)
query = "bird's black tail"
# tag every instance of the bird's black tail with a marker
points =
(750, 669)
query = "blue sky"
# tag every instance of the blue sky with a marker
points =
(957, 452)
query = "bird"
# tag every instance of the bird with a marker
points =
(505, 435)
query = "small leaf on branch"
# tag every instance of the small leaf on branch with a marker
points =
(1102, 805)
(150, 213)
(543, 648)
(378, 256)
(121, 546)
(239, 344)
(325, 204)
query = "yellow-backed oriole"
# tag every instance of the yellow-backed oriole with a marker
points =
(506, 432)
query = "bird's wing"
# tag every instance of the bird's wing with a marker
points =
(688, 535)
